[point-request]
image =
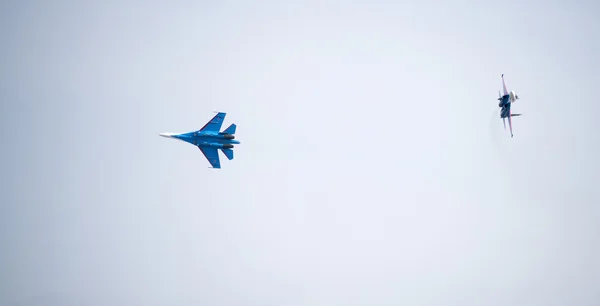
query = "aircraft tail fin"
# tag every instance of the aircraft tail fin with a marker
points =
(230, 129)
(228, 153)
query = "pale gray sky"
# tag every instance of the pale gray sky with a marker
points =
(373, 169)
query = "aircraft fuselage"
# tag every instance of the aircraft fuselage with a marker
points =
(504, 100)
(210, 140)
(505, 106)
(206, 139)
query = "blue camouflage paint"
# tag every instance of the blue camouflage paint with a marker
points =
(505, 104)
(209, 140)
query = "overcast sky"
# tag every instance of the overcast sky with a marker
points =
(373, 168)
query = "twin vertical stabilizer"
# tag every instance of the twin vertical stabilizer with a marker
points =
(209, 140)
(230, 129)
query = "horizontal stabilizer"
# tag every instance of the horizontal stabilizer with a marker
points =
(515, 115)
(230, 129)
(228, 153)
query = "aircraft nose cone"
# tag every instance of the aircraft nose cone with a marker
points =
(168, 135)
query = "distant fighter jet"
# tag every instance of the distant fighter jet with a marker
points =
(208, 139)
(506, 101)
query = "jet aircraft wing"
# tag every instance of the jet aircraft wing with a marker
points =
(214, 125)
(504, 86)
(510, 121)
(212, 155)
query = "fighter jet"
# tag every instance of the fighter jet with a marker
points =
(208, 139)
(506, 101)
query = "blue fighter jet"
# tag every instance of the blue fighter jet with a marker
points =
(208, 139)
(506, 102)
